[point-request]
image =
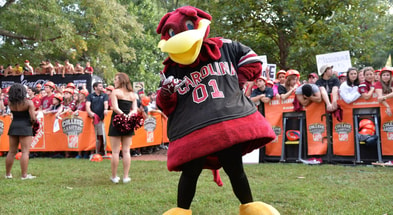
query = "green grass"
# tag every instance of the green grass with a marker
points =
(70, 186)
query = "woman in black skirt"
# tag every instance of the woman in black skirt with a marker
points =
(20, 131)
(124, 102)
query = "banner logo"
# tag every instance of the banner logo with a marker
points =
(150, 123)
(388, 128)
(316, 130)
(343, 129)
(72, 127)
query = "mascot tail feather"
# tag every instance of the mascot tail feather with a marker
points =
(217, 177)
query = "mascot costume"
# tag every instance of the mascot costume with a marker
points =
(211, 123)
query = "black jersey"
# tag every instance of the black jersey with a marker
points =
(211, 93)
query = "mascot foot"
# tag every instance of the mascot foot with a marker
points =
(178, 211)
(257, 208)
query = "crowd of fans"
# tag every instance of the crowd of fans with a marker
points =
(46, 68)
(325, 86)
(68, 98)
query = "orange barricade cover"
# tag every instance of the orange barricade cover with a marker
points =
(386, 130)
(343, 132)
(316, 129)
(273, 113)
(316, 125)
(76, 133)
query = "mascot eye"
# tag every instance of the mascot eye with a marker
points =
(171, 32)
(189, 25)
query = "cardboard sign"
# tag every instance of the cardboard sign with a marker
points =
(341, 61)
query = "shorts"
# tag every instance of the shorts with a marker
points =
(99, 128)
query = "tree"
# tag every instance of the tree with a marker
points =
(148, 58)
(292, 32)
(77, 30)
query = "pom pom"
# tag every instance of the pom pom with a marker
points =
(127, 124)
(36, 126)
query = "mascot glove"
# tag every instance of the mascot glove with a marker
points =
(170, 85)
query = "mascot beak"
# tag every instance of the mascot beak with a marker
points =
(184, 47)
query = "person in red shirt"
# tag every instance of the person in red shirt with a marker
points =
(47, 100)
(34, 97)
(82, 100)
(366, 88)
(68, 103)
(88, 69)
(383, 88)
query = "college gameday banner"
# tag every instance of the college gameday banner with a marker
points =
(386, 130)
(76, 132)
(152, 133)
(343, 133)
(273, 113)
(316, 129)
(315, 124)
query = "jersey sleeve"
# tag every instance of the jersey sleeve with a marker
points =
(362, 88)
(378, 85)
(249, 63)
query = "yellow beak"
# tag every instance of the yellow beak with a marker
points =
(184, 48)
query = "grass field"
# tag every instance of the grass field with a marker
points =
(71, 186)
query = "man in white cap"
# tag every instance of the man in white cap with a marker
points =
(328, 85)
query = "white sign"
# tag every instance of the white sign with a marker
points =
(264, 62)
(251, 158)
(272, 71)
(341, 61)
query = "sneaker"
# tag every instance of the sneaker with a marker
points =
(126, 180)
(115, 180)
(8, 176)
(29, 176)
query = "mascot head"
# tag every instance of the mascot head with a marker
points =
(182, 33)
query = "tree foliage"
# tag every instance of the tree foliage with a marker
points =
(119, 36)
(148, 58)
(77, 30)
(292, 32)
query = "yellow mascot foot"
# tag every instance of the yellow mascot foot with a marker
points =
(178, 211)
(257, 208)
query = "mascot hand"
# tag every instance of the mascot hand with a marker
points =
(170, 84)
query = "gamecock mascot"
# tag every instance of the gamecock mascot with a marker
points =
(211, 123)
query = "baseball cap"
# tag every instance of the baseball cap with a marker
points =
(324, 68)
(342, 75)
(314, 75)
